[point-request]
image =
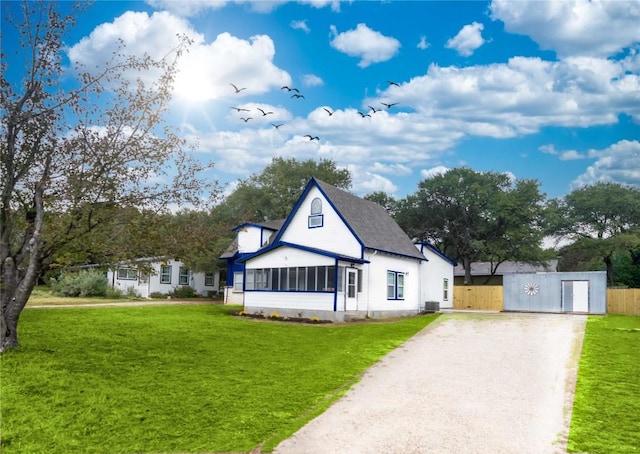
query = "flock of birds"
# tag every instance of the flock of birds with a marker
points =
(298, 95)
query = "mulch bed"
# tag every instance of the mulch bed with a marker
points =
(280, 318)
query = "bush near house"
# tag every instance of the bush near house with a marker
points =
(82, 283)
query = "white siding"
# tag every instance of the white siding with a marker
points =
(377, 280)
(333, 236)
(288, 301)
(152, 284)
(433, 273)
(249, 239)
(283, 257)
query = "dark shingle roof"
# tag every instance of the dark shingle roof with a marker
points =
(484, 268)
(370, 222)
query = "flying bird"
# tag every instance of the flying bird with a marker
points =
(312, 137)
(388, 105)
(290, 89)
(238, 90)
(390, 82)
(239, 109)
(263, 112)
(328, 111)
(276, 126)
(297, 95)
(245, 119)
(363, 114)
(374, 110)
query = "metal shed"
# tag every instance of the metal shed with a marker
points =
(582, 292)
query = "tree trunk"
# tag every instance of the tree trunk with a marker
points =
(468, 278)
(14, 297)
(609, 263)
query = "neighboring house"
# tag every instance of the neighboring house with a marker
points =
(148, 276)
(336, 256)
(481, 271)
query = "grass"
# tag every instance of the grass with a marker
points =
(606, 407)
(176, 378)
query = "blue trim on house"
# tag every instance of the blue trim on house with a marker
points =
(424, 259)
(335, 289)
(312, 182)
(250, 224)
(277, 244)
(436, 251)
(344, 221)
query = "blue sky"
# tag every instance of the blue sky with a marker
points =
(542, 90)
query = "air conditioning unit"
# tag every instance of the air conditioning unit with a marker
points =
(431, 306)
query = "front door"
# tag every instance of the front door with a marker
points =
(351, 293)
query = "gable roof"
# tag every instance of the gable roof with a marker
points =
(370, 223)
(435, 250)
(484, 268)
(232, 249)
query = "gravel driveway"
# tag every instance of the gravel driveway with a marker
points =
(468, 383)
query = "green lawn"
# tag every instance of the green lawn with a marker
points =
(606, 409)
(176, 378)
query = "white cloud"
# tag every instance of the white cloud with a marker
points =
(619, 163)
(423, 44)
(434, 171)
(246, 63)
(573, 27)
(311, 80)
(468, 39)
(366, 183)
(300, 25)
(392, 169)
(548, 149)
(195, 7)
(186, 8)
(521, 96)
(367, 44)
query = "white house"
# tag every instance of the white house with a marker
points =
(336, 257)
(148, 276)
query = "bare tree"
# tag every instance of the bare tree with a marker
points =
(73, 159)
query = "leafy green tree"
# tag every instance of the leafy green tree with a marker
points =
(604, 218)
(74, 161)
(472, 215)
(385, 200)
(272, 193)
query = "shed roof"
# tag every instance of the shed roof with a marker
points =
(484, 268)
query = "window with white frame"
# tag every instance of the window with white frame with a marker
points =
(210, 280)
(165, 274)
(183, 277)
(316, 219)
(298, 279)
(238, 281)
(395, 285)
(127, 274)
(445, 290)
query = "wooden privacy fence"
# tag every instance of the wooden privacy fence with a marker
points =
(490, 298)
(478, 297)
(623, 301)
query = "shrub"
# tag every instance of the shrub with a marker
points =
(157, 295)
(184, 292)
(113, 293)
(275, 315)
(81, 284)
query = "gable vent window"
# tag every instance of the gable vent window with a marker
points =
(316, 219)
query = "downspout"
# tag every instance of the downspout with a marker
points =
(335, 286)
(368, 285)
